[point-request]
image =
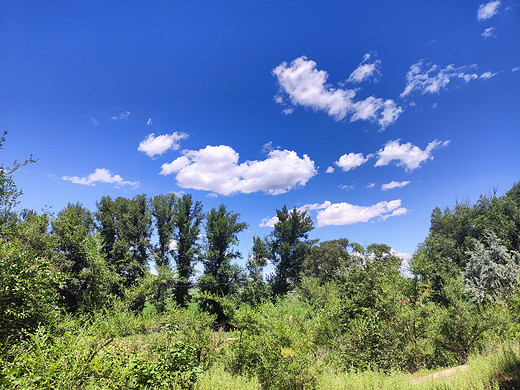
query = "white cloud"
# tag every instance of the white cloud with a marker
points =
(94, 121)
(100, 175)
(371, 185)
(154, 146)
(172, 246)
(401, 255)
(351, 160)
(487, 10)
(395, 213)
(428, 78)
(515, 69)
(307, 86)
(394, 184)
(487, 75)
(149, 122)
(347, 214)
(269, 222)
(366, 70)
(346, 187)
(329, 170)
(489, 33)
(123, 115)
(216, 169)
(406, 155)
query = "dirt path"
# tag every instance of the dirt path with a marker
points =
(446, 374)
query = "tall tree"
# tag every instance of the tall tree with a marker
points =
(163, 212)
(289, 244)
(222, 227)
(188, 218)
(87, 279)
(125, 227)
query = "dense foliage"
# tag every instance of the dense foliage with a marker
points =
(80, 307)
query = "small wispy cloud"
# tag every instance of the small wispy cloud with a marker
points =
(431, 78)
(329, 170)
(515, 69)
(394, 184)
(488, 10)
(371, 185)
(346, 187)
(94, 121)
(489, 33)
(487, 75)
(155, 146)
(149, 122)
(367, 69)
(123, 115)
(100, 175)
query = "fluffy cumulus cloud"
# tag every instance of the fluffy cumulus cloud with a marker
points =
(155, 146)
(122, 115)
(100, 175)
(307, 86)
(431, 78)
(489, 33)
(347, 214)
(407, 155)
(216, 169)
(368, 69)
(351, 160)
(488, 10)
(394, 184)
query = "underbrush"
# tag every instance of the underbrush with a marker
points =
(497, 368)
(298, 342)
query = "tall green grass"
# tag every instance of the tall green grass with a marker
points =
(499, 368)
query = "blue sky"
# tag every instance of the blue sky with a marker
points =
(367, 114)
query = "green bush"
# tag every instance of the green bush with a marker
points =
(28, 281)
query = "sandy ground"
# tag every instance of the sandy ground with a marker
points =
(447, 373)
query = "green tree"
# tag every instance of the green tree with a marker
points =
(163, 212)
(288, 245)
(125, 228)
(328, 260)
(87, 279)
(220, 276)
(188, 218)
(492, 271)
(256, 290)
(444, 252)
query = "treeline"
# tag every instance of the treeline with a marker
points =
(79, 304)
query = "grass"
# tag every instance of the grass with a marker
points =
(499, 368)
